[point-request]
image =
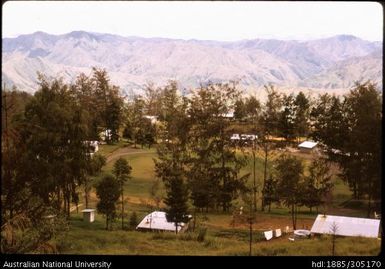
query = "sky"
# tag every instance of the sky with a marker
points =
(205, 20)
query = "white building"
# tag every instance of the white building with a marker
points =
(307, 146)
(346, 226)
(157, 221)
(105, 134)
(89, 215)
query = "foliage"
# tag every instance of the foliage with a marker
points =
(289, 173)
(133, 220)
(122, 172)
(108, 192)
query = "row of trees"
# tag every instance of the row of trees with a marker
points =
(351, 130)
(290, 185)
(348, 128)
(110, 188)
(196, 142)
(45, 159)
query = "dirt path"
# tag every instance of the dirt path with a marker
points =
(123, 152)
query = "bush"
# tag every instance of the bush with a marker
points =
(186, 237)
(202, 234)
(133, 220)
(163, 236)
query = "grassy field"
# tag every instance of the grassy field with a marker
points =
(222, 237)
(84, 238)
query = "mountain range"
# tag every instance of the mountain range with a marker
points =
(329, 63)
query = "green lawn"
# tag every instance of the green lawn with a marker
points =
(222, 238)
(85, 238)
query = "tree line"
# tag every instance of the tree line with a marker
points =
(46, 162)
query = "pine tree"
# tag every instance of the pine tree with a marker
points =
(108, 192)
(289, 174)
(176, 200)
(122, 172)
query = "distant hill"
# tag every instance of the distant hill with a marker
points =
(331, 63)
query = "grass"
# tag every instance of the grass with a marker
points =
(221, 238)
(85, 238)
(107, 149)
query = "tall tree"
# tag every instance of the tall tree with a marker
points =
(317, 184)
(269, 194)
(268, 126)
(54, 134)
(108, 192)
(301, 119)
(176, 199)
(108, 102)
(363, 149)
(287, 118)
(213, 157)
(289, 174)
(122, 172)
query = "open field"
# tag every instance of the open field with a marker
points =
(222, 238)
(84, 238)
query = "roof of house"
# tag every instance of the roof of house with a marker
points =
(157, 221)
(88, 210)
(308, 144)
(346, 226)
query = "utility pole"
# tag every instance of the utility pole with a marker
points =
(254, 178)
(251, 228)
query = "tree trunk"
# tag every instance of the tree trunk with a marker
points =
(264, 175)
(293, 216)
(251, 235)
(254, 182)
(369, 204)
(121, 189)
(86, 192)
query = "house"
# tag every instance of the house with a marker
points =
(307, 146)
(346, 226)
(88, 215)
(156, 221)
(105, 134)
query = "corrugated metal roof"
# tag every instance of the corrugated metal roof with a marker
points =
(157, 221)
(308, 144)
(346, 226)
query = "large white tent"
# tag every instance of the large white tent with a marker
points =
(157, 221)
(346, 226)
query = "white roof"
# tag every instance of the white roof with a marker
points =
(346, 226)
(308, 144)
(157, 221)
(88, 210)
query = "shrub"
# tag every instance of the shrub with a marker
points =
(186, 237)
(133, 220)
(202, 234)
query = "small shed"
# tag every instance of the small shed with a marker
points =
(157, 221)
(346, 226)
(307, 146)
(88, 215)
